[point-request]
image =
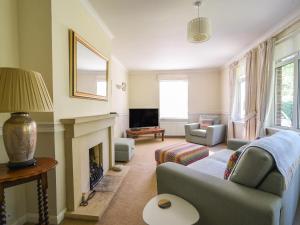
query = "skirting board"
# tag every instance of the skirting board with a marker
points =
(34, 218)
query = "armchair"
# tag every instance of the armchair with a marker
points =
(210, 135)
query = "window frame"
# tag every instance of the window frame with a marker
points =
(173, 118)
(295, 59)
(240, 78)
(240, 103)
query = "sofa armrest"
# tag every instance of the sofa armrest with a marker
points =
(215, 134)
(191, 126)
(219, 201)
(235, 144)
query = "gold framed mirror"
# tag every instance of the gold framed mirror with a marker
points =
(88, 70)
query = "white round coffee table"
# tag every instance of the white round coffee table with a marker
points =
(181, 212)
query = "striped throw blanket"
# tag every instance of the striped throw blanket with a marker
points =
(183, 153)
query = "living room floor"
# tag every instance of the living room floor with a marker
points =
(138, 187)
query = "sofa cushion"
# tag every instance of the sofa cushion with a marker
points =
(231, 163)
(252, 167)
(199, 132)
(273, 183)
(222, 155)
(209, 166)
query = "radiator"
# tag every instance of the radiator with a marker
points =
(173, 128)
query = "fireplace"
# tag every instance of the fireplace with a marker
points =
(81, 134)
(96, 169)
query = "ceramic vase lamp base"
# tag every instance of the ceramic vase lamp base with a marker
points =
(19, 165)
(20, 135)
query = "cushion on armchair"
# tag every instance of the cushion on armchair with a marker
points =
(208, 118)
(252, 167)
(199, 133)
(204, 123)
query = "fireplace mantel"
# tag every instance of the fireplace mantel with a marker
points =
(86, 119)
(81, 133)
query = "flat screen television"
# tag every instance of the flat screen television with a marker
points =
(143, 118)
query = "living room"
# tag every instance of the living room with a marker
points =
(179, 90)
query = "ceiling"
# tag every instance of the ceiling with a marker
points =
(151, 34)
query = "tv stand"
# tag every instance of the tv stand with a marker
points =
(134, 133)
(135, 129)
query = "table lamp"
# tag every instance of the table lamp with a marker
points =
(21, 92)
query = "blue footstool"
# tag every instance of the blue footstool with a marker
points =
(124, 149)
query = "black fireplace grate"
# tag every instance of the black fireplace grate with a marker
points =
(96, 170)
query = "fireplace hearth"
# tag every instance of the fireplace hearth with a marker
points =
(96, 169)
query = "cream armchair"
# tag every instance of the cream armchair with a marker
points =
(211, 135)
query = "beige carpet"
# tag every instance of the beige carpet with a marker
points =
(138, 187)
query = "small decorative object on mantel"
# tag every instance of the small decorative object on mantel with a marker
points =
(22, 91)
(164, 203)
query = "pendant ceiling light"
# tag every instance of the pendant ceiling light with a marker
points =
(199, 29)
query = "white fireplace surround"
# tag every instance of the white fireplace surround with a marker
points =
(81, 134)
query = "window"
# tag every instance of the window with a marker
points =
(286, 86)
(240, 91)
(241, 94)
(287, 83)
(173, 99)
(101, 88)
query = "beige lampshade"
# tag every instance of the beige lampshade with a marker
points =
(23, 91)
(199, 30)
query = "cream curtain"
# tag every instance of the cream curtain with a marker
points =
(259, 83)
(232, 85)
(251, 95)
(265, 83)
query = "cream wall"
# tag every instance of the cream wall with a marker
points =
(9, 57)
(119, 98)
(9, 41)
(204, 90)
(70, 14)
(9, 54)
(143, 89)
(35, 51)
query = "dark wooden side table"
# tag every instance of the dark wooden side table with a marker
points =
(9, 178)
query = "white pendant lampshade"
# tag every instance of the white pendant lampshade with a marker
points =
(199, 30)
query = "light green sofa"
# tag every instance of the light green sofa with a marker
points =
(223, 202)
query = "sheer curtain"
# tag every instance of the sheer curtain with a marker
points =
(232, 85)
(251, 95)
(265, 83)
